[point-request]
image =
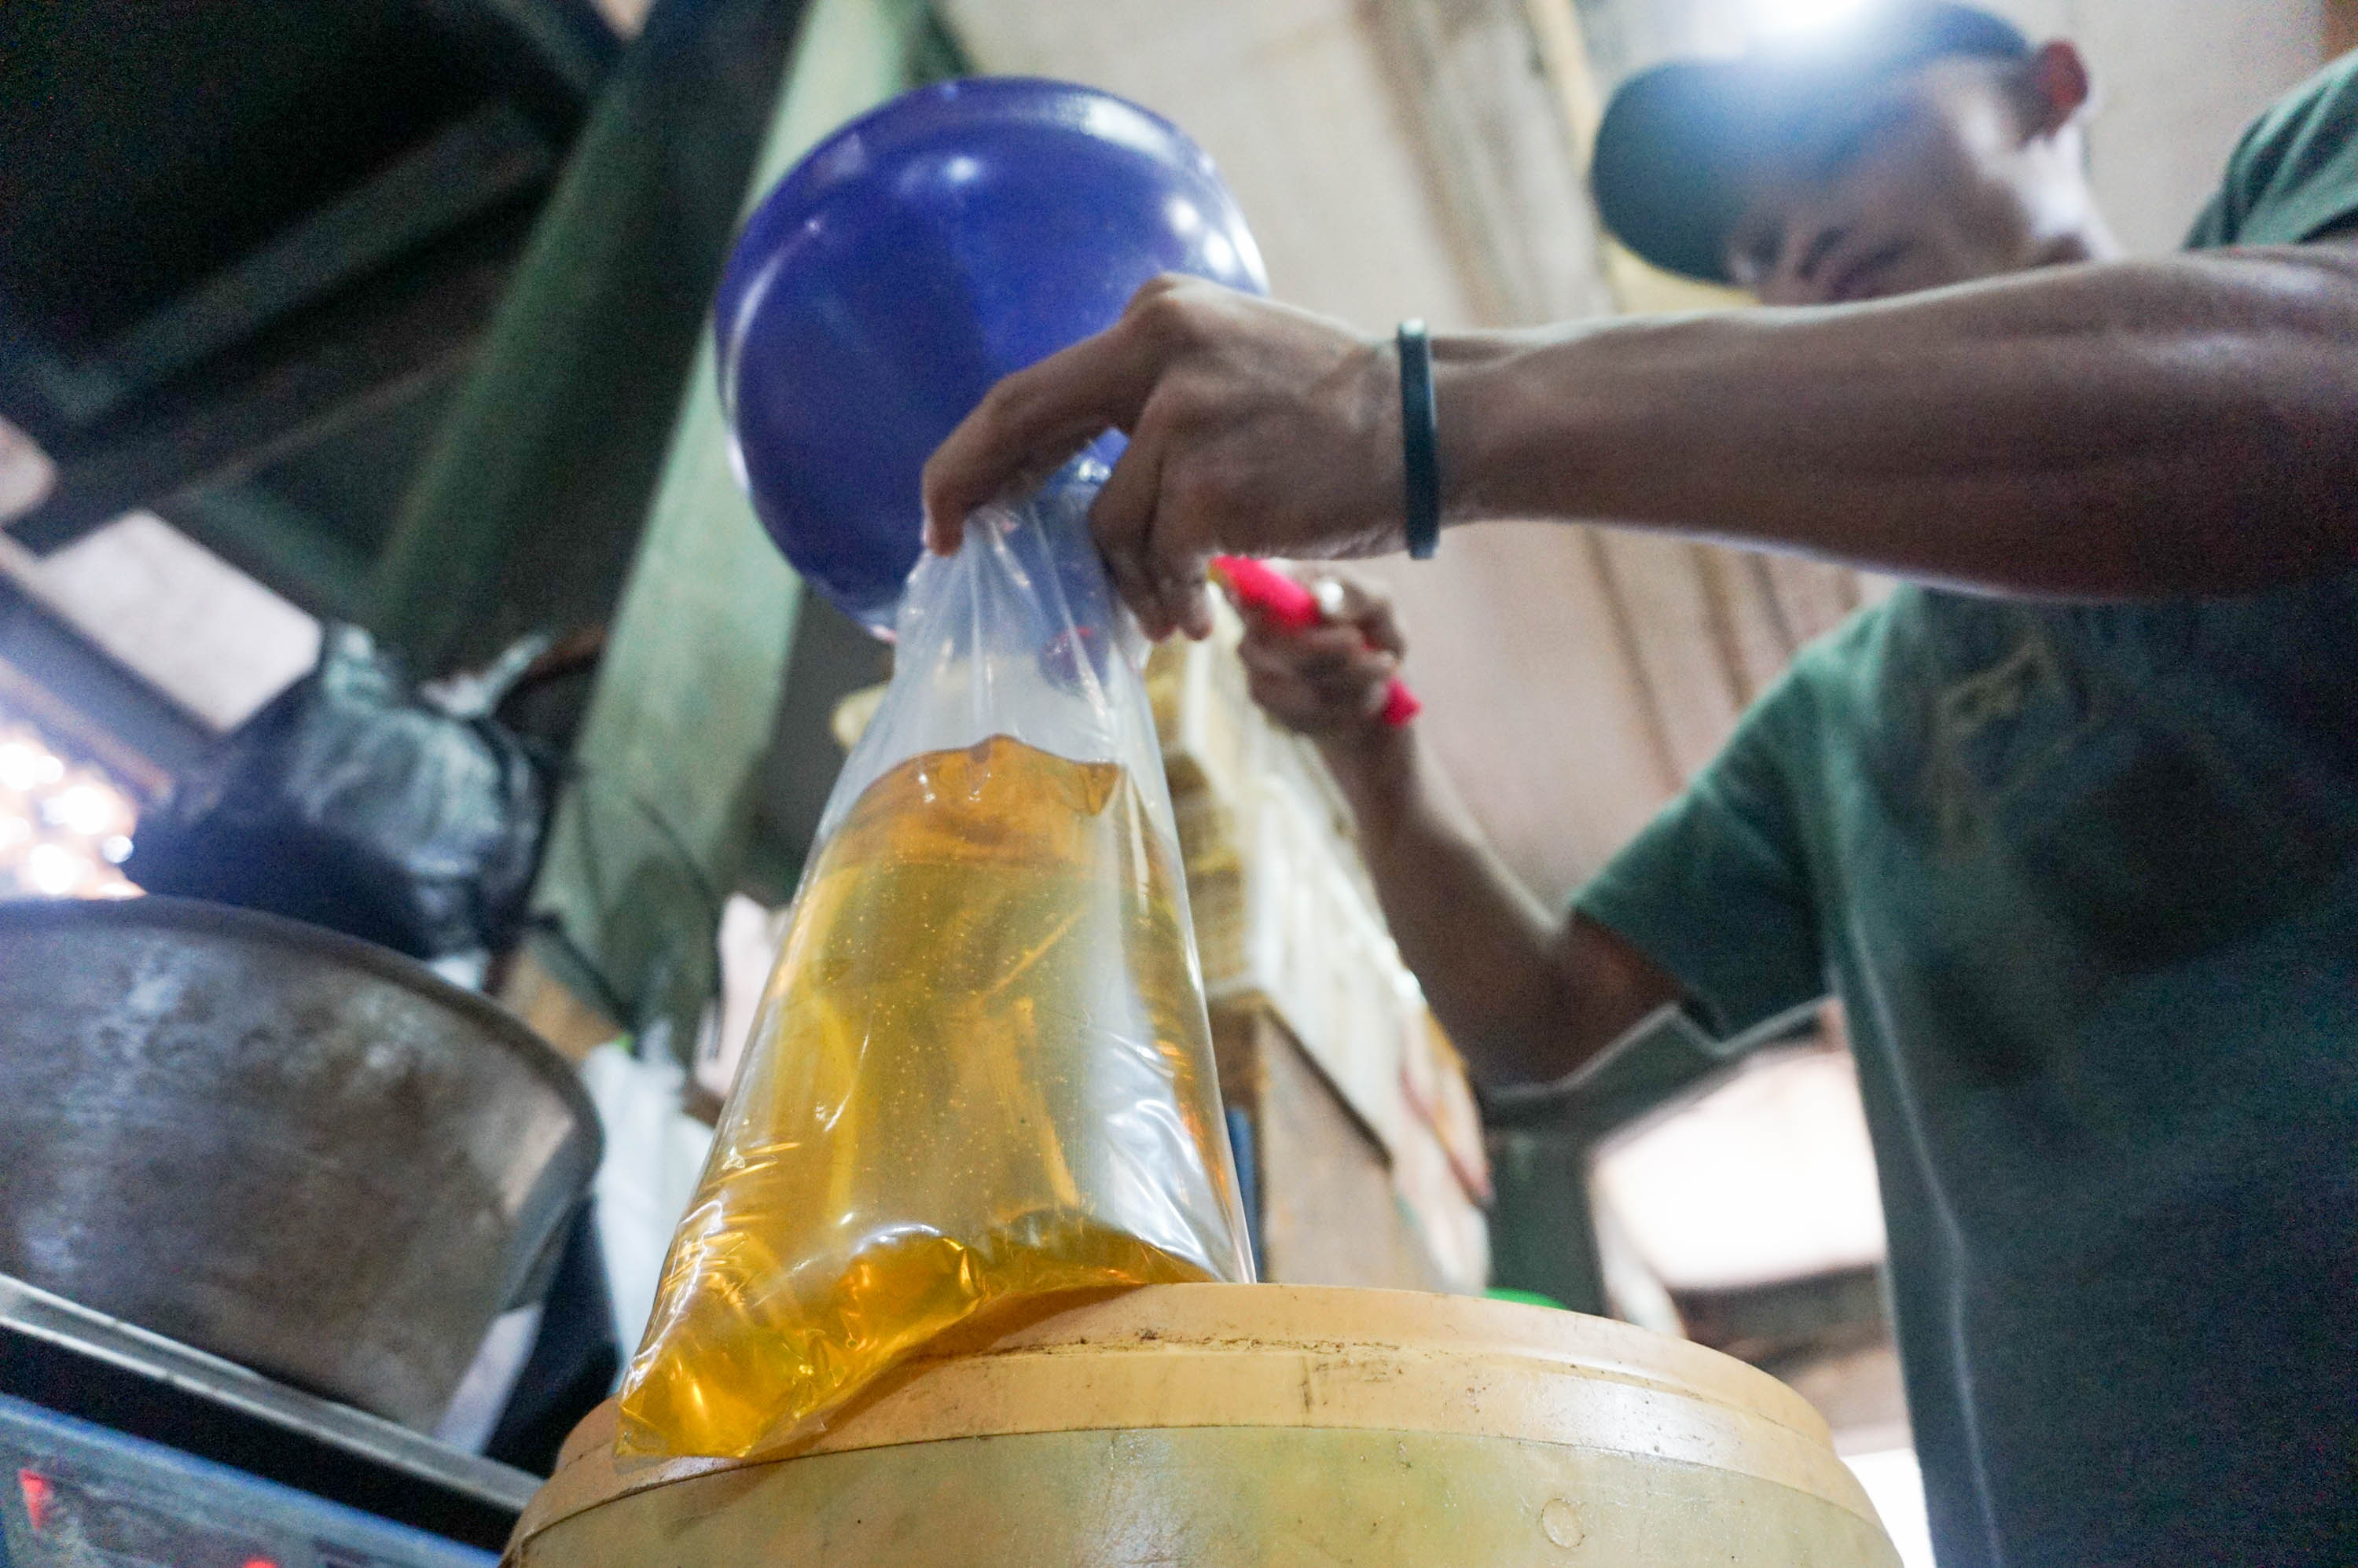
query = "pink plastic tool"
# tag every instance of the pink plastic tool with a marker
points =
(1291, 605)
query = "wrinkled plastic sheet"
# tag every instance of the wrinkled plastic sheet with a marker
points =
(982, 1077)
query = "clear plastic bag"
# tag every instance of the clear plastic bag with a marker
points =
(982, 1073)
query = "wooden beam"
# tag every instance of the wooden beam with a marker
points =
(1328, 1213)
(465, 169)
(526, 513)
(2341, 28)
(654, 830)
(333, 367)
(1857, 1388)
(279, 545)
(1506, 169)
(1788, 1318)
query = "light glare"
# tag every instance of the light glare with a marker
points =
(54, 869)
(1895, 1485)
(23, 765)
(1803, 15)
(88, 809)
(63, 828)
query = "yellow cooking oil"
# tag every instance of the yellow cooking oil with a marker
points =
(981, 1071)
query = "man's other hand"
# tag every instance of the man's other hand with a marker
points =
(1254, 429)
(1329, 682)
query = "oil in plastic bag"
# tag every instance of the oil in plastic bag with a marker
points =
(982, 1073)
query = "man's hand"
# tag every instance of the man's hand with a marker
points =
(1329, 682)
(1254, 429)
(2161, 427)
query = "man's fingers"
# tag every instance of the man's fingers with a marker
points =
(1314, 705)
(1123, 517)
(1312, 647)
(1368, 611)
(1035, 419)
(1282, 693)
(1305, 705)
(1359, 622)
(1348, 603)
(1181, 584)
(1351, 683)
(1179, 544)
(1331, 660)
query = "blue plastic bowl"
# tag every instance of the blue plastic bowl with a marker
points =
(961, 231)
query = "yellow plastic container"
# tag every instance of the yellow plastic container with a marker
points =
(1240, 1426)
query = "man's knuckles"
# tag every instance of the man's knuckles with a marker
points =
(1201, 495)
(1169, 312)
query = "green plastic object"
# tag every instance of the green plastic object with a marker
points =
(1528, 1298)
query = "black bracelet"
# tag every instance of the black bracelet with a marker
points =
(1420, 441)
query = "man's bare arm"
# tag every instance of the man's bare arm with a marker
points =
(2124, 429)
(2115, 430)
(1527, 992)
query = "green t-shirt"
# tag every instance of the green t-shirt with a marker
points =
(2086, 880)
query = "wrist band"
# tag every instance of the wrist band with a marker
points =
(1420, 441)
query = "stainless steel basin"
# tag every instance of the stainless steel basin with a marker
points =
(295, 1150)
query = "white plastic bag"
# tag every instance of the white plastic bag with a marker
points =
(982, 1075)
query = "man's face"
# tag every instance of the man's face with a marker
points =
(1940, 176)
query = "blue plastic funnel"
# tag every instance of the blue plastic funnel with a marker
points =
(961, 231)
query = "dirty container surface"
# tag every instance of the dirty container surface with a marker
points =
(292, 1149)
(1277, 1425)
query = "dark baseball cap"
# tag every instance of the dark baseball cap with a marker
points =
(1680, 143)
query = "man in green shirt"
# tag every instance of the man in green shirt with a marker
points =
(2070, 823)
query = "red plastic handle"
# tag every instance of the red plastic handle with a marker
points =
(1291, 605)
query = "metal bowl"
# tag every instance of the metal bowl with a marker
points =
(287, 1147)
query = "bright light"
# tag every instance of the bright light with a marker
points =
(54, 869)
(89, 810)
(1767, 1176)
(25, 766)
(62, 829)
(1802, 15)
(1895, 1487)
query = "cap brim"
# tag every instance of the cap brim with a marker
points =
(1681, 146)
